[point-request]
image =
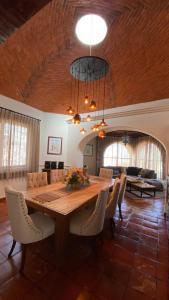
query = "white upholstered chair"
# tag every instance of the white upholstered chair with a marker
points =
(26, 228)
(89, 222)
(36, 179)
(57, 175)
(123, 180)
(106, 173)
(112, 204)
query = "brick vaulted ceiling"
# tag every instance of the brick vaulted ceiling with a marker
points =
(35, 59)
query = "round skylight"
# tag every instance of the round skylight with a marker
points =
(91, 29)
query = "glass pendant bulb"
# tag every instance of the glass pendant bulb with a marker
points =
(82, 131)
(88, 118)
(73, 121)
(86, 100)
(95, 127)
(102, 134)
(103, 123)
(77, 119)
(93, 104)
(70, 110)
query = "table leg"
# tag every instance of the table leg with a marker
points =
(61, 236)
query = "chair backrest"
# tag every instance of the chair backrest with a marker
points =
(23, 229)
(106, 173)
(113, 199)
(95, 222)
(123, 180)
(36, 179)
(57, 175)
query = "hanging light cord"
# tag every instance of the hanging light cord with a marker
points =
(104, 94)
(78, 91)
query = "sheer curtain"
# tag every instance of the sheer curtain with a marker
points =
(19, 144)
(150, 154)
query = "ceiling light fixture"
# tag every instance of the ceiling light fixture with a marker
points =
(102, 134)
(86, 100)
(88, 118)
(125, 139)
(77, 119)
(95, 127)
(82, 131)
(87, 71)
(103, 123)
(91, 29)
(92, 105)
(70, 110)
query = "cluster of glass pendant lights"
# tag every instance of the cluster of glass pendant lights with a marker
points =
(89, 73)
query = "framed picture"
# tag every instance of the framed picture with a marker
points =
(54, 145)
(88, 150)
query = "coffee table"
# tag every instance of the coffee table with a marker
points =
(144, 188)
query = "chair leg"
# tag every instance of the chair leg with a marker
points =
(94, 246)
(120, 212)
(99, 239)
(112, 226)
(23, 257)
(96, 241)
(12, 248)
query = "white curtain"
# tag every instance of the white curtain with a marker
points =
(150, 154)
(19, 144)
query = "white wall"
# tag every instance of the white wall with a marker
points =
(90, 161)
(53, 125)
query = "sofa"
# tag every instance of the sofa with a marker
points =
(149, 176)
(144, 173)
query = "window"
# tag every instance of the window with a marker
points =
(117, 154)
(14, 145)
(19, 144)
(149, 156)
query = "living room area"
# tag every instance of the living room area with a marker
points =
(140, 156)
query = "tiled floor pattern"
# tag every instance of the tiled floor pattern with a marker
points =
(132, 266)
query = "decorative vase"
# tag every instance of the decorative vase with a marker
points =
(74, 186)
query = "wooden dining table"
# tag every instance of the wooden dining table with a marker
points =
(61, 203)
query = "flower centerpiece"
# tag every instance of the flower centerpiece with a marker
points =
(76, 179)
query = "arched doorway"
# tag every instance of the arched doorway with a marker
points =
(143, 151)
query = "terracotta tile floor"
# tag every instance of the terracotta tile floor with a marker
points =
(133, 265)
